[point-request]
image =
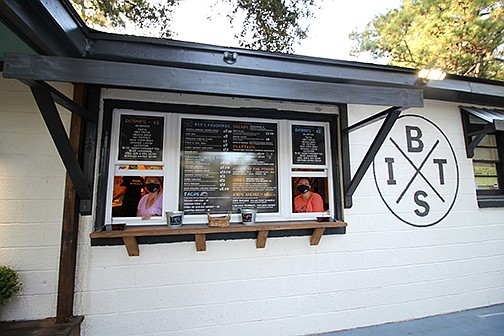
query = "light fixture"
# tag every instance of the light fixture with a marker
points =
(426, 75)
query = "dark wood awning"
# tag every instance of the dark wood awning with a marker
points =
(188, 80)
(492, 120)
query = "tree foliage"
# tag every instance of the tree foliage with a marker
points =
(463, 37)
(115, 13)
(271, 25)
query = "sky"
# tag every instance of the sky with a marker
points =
(327, 37)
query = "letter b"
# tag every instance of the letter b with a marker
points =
(414, 139)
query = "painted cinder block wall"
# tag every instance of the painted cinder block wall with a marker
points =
(453, 265)
(32, 179)
(382, 270)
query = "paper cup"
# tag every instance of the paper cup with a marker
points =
(174, 218)
(248, 216)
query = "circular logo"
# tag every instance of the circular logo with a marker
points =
(416, 172)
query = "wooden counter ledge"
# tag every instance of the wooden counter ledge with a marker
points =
(129, 234)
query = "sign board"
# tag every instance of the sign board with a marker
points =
(141, 138)
(416, 172)
(308, 145)
(228, 165)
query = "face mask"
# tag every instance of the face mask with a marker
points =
(152, 187)
(303, 189)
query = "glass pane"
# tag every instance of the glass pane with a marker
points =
(310, 194)
(487, 183)
(488, 140)
(137, 196)
(481, 168)
(477, 121)
(486, 154)
(228, 165)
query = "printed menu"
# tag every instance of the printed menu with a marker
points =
(227, 166)
(308, 145)
(141, 138)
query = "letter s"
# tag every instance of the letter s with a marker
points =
(421, 203)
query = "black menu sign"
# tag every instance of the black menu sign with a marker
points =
(308, 145)
(141, 138)
(228, 166)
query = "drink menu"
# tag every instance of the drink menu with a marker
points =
(228, 166)
(141, 138)
(308, 145)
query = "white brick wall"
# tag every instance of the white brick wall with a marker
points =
(382, 270)
(31, 199)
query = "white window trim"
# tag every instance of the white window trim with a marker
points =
(171, 167)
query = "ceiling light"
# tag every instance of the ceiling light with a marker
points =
(431, 74)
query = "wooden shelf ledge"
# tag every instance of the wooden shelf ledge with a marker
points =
(130, 234)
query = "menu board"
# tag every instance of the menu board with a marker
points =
(308, 145)
(141, 138)
(228, 166)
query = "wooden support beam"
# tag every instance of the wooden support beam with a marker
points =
(62, 100)
(55, 126)
(200, 242)
(180, 79)
(317, 234)
(70, 224)
(261, 238)
(131, 246)
(392, 116)
(368, 121)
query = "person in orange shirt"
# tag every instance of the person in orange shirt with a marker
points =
(307, 200)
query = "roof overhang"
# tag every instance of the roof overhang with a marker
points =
(188, 80)
(492, 121)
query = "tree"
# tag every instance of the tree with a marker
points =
(462, 37)
(113, 14)
(272, 25)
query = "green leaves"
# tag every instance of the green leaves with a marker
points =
(9, 283)
(463, 37)
(270, 25)
(115, 13)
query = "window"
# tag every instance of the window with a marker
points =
(487, 165)
(217, 163)
(485, 144)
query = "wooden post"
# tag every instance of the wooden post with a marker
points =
(70, 224)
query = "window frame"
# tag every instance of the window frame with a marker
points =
(188, 111)
(486, 198)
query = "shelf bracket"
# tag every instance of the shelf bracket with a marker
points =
(200, 240)
(131, 246)
(316, 236)
(261, 238)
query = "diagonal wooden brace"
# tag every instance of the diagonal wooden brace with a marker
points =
(51, 117)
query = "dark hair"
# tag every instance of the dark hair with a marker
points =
(159, 178)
